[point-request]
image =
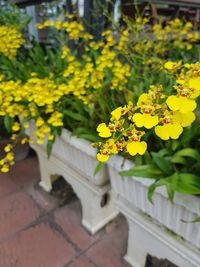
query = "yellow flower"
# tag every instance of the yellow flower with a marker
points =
(134, 148)
(40, 141)
(11, 41)
(5, 169)
(16, 127)
(24, 140)
(102, 158)
(144, 98)
(10, 156)
(195, 83)
(182, 104)
(170, 65)
(8, 148)
(39, 122)
(145, 120)
(103, 130)
(116, 114)
(167, 131)
(185, 119)
(51, 137)
(56, 119)
(111, 146)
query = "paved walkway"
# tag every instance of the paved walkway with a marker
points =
(36, 232)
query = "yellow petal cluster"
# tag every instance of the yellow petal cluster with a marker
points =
(11, 41)
(166, 114)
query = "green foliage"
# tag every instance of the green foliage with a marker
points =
(176, 169)
(11, 15)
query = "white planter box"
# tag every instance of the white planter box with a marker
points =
(151, 232)
(79, 154)
(75, 160)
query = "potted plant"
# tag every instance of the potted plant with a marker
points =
(57, 89)
(159, 220)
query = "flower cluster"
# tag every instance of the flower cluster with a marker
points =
(179, 33)
(8, 160)
(167, 115)
(11, 41)
(90, 73)
(150, 44)
(77, 88)
(73, 28)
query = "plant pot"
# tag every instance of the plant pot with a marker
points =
(75, 160)
(156, 229)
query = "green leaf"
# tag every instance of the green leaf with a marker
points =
(145, 171)
(163, 164)
(49, 147)
(178, 160)
(85, 133)
(151, 191)
(193, 221)
(170, 184)
(187, 152)
(75, 116)
(188, 184)
(90, 137)
(98, 168)
(8, 122)
(163, 152)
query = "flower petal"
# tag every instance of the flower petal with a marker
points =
(150, 121)
(162, 132)
(141, 147)
(184, 119)
(194, 83)
(136, 147)
(138, 118)
(173, 102)
(187, 105)
(103, 130)
(132, 148)
(102, 158)
(174, 130)
(101, 127)
(117, 113)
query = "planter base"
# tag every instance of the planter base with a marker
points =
(96, 211)
(147, 237)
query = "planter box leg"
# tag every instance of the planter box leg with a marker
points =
(147, 237)
(96, 213)
(45, 182)
(94, 216)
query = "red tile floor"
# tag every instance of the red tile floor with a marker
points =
(36, 232)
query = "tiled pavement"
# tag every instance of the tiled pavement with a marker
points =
(36, 232)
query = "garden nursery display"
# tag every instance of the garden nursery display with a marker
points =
(79, 101)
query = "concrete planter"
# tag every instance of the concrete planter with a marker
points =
(156, 229)
(75, 160)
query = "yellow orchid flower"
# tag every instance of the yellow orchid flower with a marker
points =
(111, 146)
(116, 114)
(145, 120)
(16, 127)
(167, 131)
(134, 148)
(171, 65)
(194, 83)
(182, 104)
(184, 119)
(102, 157)
(103, 130)
(144, 98)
